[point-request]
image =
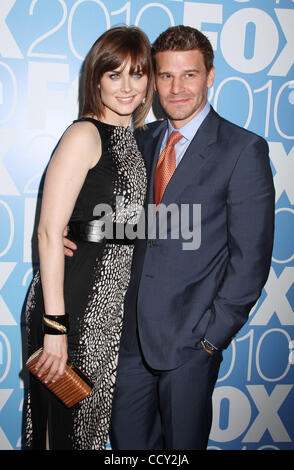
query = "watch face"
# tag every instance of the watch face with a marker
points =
(208, 346)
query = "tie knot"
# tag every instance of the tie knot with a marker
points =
(174, 138)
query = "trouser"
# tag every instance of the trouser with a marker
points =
(163, 409)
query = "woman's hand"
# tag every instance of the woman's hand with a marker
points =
(53, 358)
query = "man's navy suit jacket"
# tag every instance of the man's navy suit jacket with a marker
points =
(177, 297)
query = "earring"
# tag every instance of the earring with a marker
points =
(143, 101)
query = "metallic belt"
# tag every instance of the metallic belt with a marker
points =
(93, 231)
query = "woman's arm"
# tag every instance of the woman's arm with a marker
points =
(78, 151)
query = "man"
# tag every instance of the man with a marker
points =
(183, 305)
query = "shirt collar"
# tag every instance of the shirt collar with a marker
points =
(189, 130)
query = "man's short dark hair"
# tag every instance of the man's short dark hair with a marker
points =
(184, 38)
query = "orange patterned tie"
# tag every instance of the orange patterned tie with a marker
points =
(165, 167)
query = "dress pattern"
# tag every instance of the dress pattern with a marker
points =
(96, 280)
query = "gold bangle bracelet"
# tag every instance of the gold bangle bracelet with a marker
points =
(53, 324)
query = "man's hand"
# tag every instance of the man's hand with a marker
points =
(68, 245)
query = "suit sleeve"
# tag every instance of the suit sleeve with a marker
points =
(250, 225)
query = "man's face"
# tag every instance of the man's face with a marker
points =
(182, 82)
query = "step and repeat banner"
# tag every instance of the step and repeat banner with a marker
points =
(42, 47)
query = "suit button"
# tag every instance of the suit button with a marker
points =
(151, 244)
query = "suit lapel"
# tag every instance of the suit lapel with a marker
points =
(156, 141)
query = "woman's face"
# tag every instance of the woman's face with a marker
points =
(121, 93)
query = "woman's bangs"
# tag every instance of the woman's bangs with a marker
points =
(139, 63)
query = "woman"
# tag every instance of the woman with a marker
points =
(96, 164)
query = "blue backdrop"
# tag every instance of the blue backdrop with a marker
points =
(42, 46)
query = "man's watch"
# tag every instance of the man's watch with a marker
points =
(208, 346)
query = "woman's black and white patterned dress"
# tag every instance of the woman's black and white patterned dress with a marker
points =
(96, 280)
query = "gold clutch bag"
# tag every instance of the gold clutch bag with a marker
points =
(71, 388)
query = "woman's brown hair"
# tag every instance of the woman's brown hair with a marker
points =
(110, 52)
